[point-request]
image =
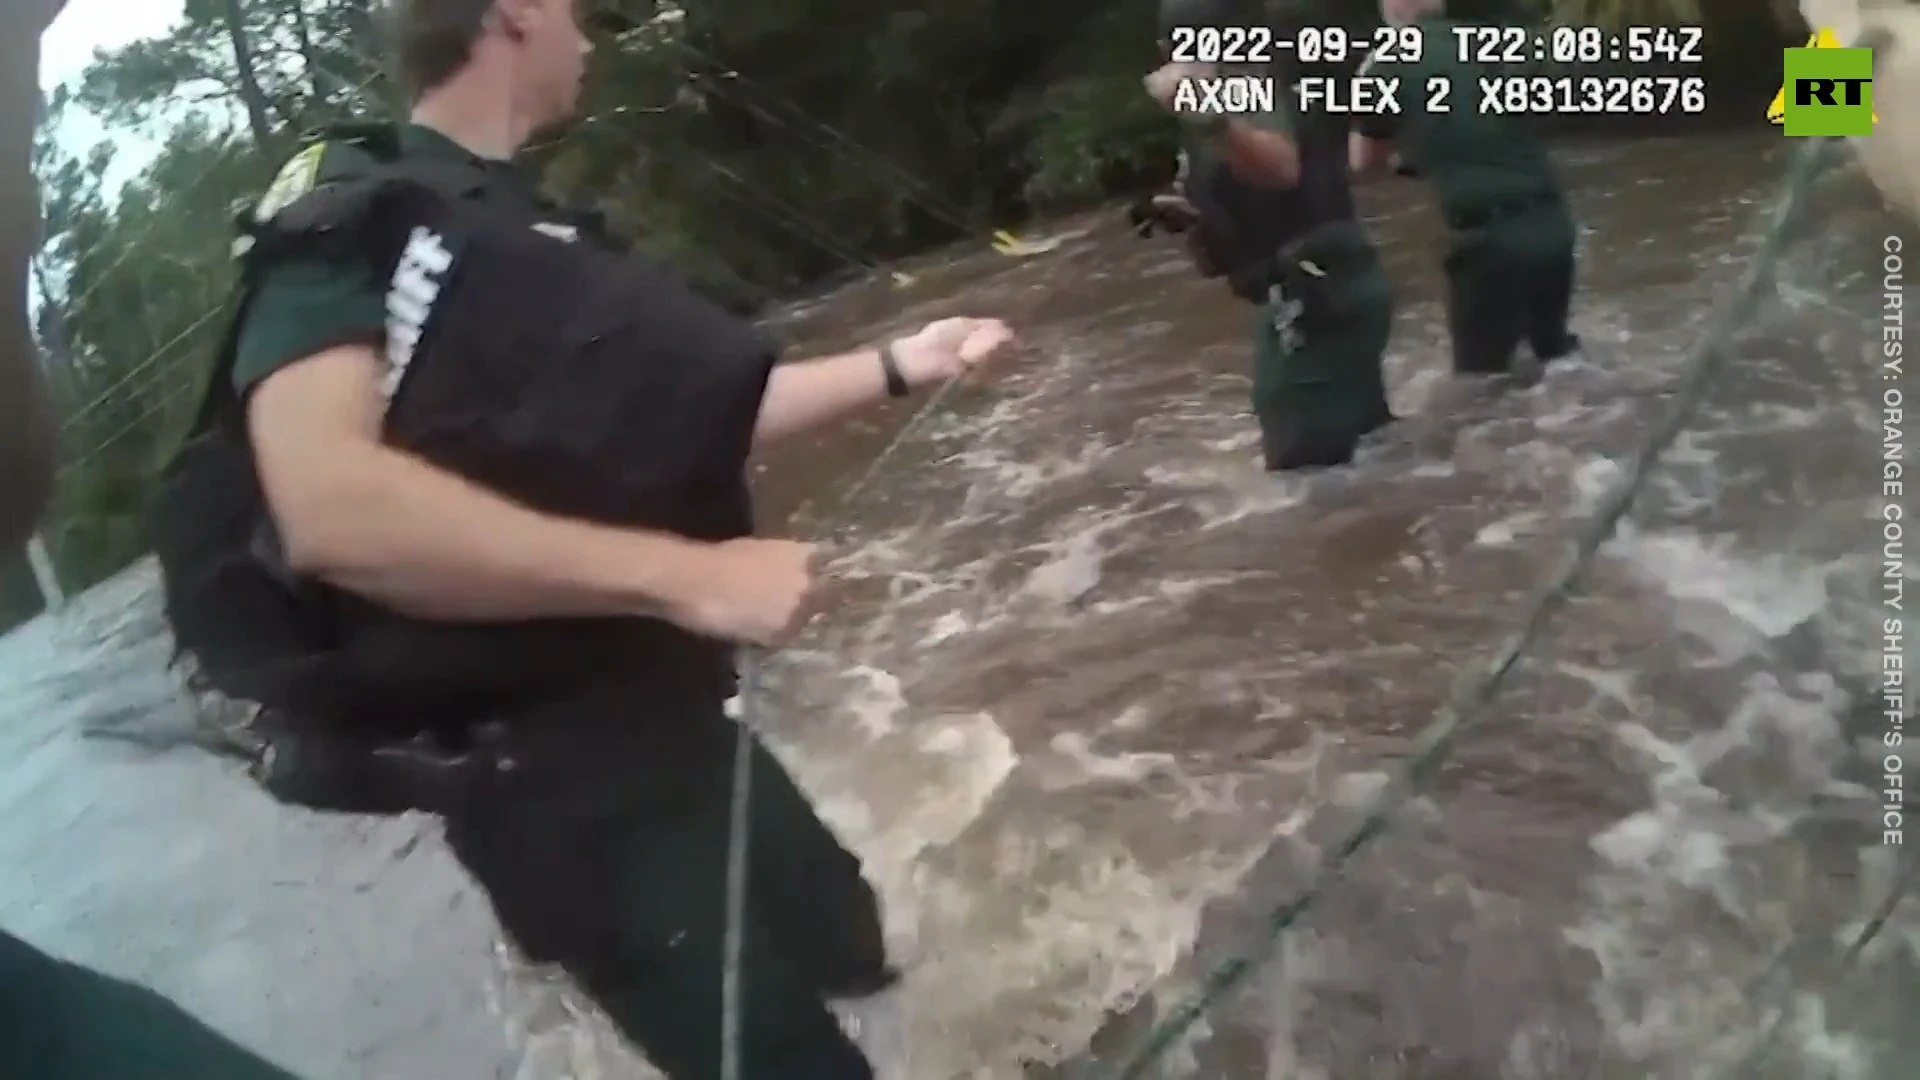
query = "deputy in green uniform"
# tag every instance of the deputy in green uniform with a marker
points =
(1510, 273)
(484, 471)
(1270, 209)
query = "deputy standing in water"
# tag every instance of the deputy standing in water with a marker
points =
(1272, 212)
(1510, 273)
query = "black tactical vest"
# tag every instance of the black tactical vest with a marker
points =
(553, 369)
(1244, 226)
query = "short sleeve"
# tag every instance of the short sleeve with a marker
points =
(300, 308)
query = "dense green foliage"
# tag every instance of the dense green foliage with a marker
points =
(761, 145)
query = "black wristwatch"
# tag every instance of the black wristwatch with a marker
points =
(897, 386)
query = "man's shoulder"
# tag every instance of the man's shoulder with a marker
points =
(336, 159)
(322, 161)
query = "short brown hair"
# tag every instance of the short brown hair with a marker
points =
(434, 39)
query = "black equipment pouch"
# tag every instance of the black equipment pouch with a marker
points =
(335, 768)
(1317, 269)
(1314, 265)
(256, 631)
(229, 598)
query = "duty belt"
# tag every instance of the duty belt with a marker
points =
(1323, 250)
(1487, 214)
(1326, 251)
(343, 773)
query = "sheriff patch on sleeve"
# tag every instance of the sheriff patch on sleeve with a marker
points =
(295, 179)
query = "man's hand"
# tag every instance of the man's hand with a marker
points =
(756, 592)
(951, 348)
(1164, 83)
(802, 396)
(1178, 214)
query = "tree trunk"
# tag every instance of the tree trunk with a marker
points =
(308, 61)
(251, 96)
(56, 348)
(370, 46)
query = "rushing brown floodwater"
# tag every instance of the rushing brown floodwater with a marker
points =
(1096, 691)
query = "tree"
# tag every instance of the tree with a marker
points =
(761, 146)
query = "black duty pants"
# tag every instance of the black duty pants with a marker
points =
(607, 855)
(60, 1021)
(1511, 280)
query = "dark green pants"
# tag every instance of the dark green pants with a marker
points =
(1510, 280)
(59, 1021)
(1317, 346)
(615, 868)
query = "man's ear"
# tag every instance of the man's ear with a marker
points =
(514, 18)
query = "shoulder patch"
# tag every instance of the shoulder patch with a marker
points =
(296, 178)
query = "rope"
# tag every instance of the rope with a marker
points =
(752, 699)
(130, 246)
(1749, 1062)
(1475, 693)
(917, 191)
(737, 817)
(752, 695)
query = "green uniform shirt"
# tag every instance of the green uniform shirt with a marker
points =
(305, 306)
(1475, 162)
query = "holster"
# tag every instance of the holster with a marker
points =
(1469, 224)
(1314, 269)
(333, 768)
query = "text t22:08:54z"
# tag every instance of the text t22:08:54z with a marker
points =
(1408, 45)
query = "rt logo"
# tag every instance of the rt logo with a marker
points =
(1828, 90)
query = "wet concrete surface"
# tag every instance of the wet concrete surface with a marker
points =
(1096, 692)
(336, 946)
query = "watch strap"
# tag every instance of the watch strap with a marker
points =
(897, 385)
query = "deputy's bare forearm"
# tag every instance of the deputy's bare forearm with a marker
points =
(26, 419)
(805, 394)
(382, 524)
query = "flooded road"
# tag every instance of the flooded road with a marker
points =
(1097, 692)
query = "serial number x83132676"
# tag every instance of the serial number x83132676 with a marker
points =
(1591, 95)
